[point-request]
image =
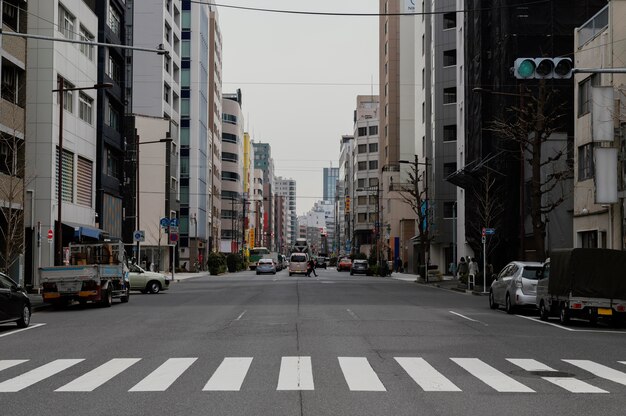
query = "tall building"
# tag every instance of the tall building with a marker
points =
(287, 189)
(263, 160)
(19, 229)
(215, 126)
(48, 65)
(344, 197)
(232, 173)
(330, 183)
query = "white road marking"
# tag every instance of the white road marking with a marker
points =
(465, 317)
(230, 375)
(598, 331)
(352, 314)
(6, 334)
(4, 364)
(570, 384)
(36, 375)
(164, 376)
(100, 375)
(600, 370)
(359, 374)
(296, 373)
(425, 375)
(492, 377)
(241, 315)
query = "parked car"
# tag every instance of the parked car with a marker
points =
(14, 303)
(360, 267)
(265, 266)
(298, 263)
(147, 282)
(344, 264)
(515, 286)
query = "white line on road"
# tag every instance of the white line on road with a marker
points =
(230, 375)
(353, 315)
(570, 384)
(492, 377)
(241, 315)
(4, 364)
(465, 317)
(164, 376)
(100, 375)
(296, 373)
(21, 330)
(600, 370)
(425, 374)
(36, 375)
(359, 374)
(599, 331)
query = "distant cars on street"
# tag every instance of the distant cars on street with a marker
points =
(265, 266)
(360, 267)
(145, 281)
(298, 263)
(14, 303)
(344, 264)
(515, 286)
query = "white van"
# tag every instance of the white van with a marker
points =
(298, 263)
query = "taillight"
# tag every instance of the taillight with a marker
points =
(576, 306)
(620, 308)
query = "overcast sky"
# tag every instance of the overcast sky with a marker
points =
(281, 62)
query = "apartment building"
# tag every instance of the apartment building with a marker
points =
(215, 125)
(263, 160)
(287, 189)
(345, 196)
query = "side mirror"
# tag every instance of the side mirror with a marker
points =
(16, 288)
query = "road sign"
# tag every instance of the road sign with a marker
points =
(173, 230)
(50, 234)
(173, 222)
(173, 237)
(165, 222)
(490, 231)
(139, 236)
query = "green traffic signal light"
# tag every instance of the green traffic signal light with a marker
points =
(525, 68)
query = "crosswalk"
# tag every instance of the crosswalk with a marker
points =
(297, 373)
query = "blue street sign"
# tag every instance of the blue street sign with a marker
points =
(173, 222)
(490, 231)
(164, 222)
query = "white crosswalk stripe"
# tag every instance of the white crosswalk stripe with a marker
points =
(425, 375)
(360, 375)
(296, 373)
(230, 375)
(98, 376)
(164, 376)
(36, 375)
(4, 364)
(570, 384)
(492, 377)
(600, 370)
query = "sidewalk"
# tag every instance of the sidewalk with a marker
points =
(448, 282)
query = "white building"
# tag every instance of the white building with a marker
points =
(75, 66)
(287, 189)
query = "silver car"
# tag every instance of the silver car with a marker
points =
(265, 266)
(515, 286)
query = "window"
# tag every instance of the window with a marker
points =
(85, 107)
(589, 239)
(362, 166)
(184, 107)
(362, 131)
(84, 183)
(373, 164)
(114, 69)
(448, 210)
(230, 157)
(68, 96)
(186, 19)
(362, 218)
(449, 133)
(11, 81)
(186, 49)
(67, 176)
(87, 50)
(11, 16)
(449, 169)
(166, 93)
(230, 138)
(585, 162)
(449, 95)
(230, 176)
(168, 33)
(115, 20)
(229, 118)
(361, 183)
(373, 130)
(111, 117)
(66, 22)
(362, 148)
(373, 147)
(449, 57)
(184, 136)
(584, 94)
(373, 181)
(449, 20)
(362, 200)
(185, 78)
(167, 63)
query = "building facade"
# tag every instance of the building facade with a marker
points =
(287, 189)
(215, 126)
(263, 160)
(330, 176)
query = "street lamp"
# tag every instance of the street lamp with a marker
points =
(59, 229)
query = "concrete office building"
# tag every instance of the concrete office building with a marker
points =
(330, 183)
(48, 64)
(263, 160)
(215, 126)
(232, 172)
(345, 195)
(287, 189)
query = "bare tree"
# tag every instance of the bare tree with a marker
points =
(530, 126)
(487, 210)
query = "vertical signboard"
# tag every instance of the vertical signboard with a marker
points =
(602, 114)
(605, 161)
(409, 6)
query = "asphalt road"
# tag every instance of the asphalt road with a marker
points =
(332, 345)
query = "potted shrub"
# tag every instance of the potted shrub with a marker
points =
(216, 263)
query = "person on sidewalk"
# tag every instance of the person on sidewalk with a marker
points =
(462, 269)
(473, 269)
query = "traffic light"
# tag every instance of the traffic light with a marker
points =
(543, 68)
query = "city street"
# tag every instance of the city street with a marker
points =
(337, 344)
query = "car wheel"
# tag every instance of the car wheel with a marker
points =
(544, 314)
(154, 287)
(351, 273)
(257, 273)
(273, 272)
(492, 302)
(290, 274)
(509, 308)
(24, 320)
(126, 297)
(564, 314)
(107, 300)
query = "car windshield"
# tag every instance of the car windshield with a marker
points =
(265, 261)
(530, 272)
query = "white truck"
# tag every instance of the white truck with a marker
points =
(94, 273)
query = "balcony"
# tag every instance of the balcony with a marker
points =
(14, 45)
(11, 115)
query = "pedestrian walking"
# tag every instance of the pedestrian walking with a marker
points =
(472, 269)
(398, 264)
(462, 268)
(310, 268)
